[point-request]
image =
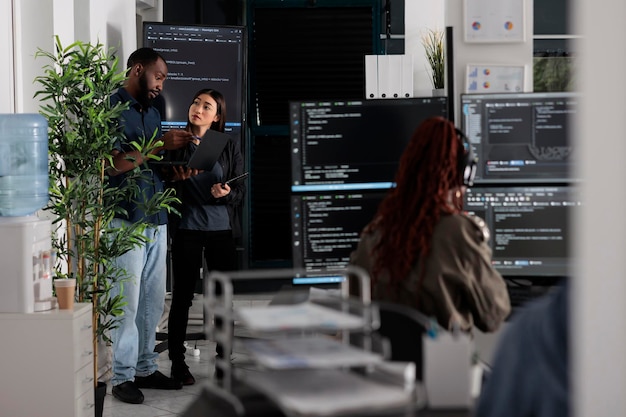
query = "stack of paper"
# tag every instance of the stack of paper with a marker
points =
(302, 316)
(307, 352)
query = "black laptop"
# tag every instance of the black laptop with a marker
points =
(203, 157)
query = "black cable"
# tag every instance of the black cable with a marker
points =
(199, 12)
(388, 19)
(518, 283)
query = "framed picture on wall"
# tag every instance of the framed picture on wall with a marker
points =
(493, 21)
(496, 78)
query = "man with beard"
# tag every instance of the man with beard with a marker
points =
(134, 359)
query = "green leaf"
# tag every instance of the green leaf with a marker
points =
(433, 42)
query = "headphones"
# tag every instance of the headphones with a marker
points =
(467, 160)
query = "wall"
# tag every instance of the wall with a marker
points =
(599, 307)
(147, 11)
(520, 53)
(419, 16)
(19, 81)
(7, 88)
(29, 25)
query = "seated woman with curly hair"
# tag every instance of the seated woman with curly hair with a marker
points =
(421, 249)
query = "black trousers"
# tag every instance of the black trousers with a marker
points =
(220, 254)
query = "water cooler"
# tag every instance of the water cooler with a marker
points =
(26, 254)
(26, 265)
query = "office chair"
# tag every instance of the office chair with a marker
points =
(403, 328)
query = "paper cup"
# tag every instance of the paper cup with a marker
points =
(65, 289)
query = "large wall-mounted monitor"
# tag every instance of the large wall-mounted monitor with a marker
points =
(521, 137)
(326, 229)
(531, 230)
(200, 56)
(353, 144)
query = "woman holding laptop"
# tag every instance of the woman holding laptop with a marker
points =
(209, 222)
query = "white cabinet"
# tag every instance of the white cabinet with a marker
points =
(46, 363)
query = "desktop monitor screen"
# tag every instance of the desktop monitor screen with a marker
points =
(521, 137)
(353, 144)
(530, 228)
(198, 57)
(531, 231)
(326, 229)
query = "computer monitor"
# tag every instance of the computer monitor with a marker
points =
(198, 57)
(521, 137)
(531, 230)
(326, 229)
(339, 145)
(530, 227)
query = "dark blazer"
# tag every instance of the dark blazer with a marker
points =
(232, 163)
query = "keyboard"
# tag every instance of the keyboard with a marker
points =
(522, 294)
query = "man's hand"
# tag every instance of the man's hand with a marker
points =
(176, 138)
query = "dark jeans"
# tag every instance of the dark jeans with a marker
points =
(187, 248)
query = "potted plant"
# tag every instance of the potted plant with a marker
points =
(433, 42)
(82, 130)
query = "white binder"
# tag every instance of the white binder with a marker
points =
(407, 76)
(371, 76)
(383, 76)
(394, 74)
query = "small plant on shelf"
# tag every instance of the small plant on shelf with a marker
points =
(433, 42)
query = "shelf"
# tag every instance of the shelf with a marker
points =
(327, 392)
(307, 352)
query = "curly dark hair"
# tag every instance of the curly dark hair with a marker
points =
(144, 56)
(427, 175)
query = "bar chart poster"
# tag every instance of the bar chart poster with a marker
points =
(494, 21)
(494, 78)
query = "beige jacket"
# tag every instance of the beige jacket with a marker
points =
(460, 285)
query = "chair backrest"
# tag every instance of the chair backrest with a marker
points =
(404, 327)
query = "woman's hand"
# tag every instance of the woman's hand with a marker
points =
(182, 173)
(220, 190)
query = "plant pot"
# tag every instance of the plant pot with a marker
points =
(439, 92)
(100, 393)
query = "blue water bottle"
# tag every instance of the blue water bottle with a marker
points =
(23, 164)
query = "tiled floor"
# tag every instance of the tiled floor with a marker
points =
(163, 403)
(160, 403)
